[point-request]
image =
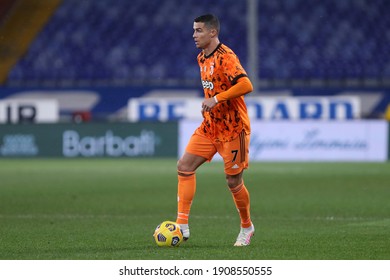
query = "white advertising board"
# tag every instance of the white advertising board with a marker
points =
(259, 108)
(32, 111)
(310, 140)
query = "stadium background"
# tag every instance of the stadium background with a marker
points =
(91, 57)
(89, 79)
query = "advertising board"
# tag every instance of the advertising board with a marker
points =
(89, 140)
(259, 108)
(310, 140)
(29, 111)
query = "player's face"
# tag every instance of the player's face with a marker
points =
(202, 35)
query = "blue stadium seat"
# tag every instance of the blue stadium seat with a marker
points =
(152, 40)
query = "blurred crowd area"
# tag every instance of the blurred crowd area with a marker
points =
(122, 42)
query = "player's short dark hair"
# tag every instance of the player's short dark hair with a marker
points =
(210, 21)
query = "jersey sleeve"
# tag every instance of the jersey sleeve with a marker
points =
(233, 69)
(240, 88)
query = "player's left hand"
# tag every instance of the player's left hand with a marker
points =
(208, 104)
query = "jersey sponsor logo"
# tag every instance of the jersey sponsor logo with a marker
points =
(207, 85)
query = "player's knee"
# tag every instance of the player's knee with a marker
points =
(232, 183)
(180, 165)
(233, 180)
(183, 166)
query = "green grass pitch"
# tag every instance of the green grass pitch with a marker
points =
(108, 209)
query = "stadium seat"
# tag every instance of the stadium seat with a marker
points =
(152, 40)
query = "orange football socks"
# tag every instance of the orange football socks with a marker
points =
(185, 194)
(242, 201)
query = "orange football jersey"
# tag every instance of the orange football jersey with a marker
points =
(219, 71)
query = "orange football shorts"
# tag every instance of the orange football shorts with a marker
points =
(235, 154)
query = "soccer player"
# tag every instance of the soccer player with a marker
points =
(225, 128)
